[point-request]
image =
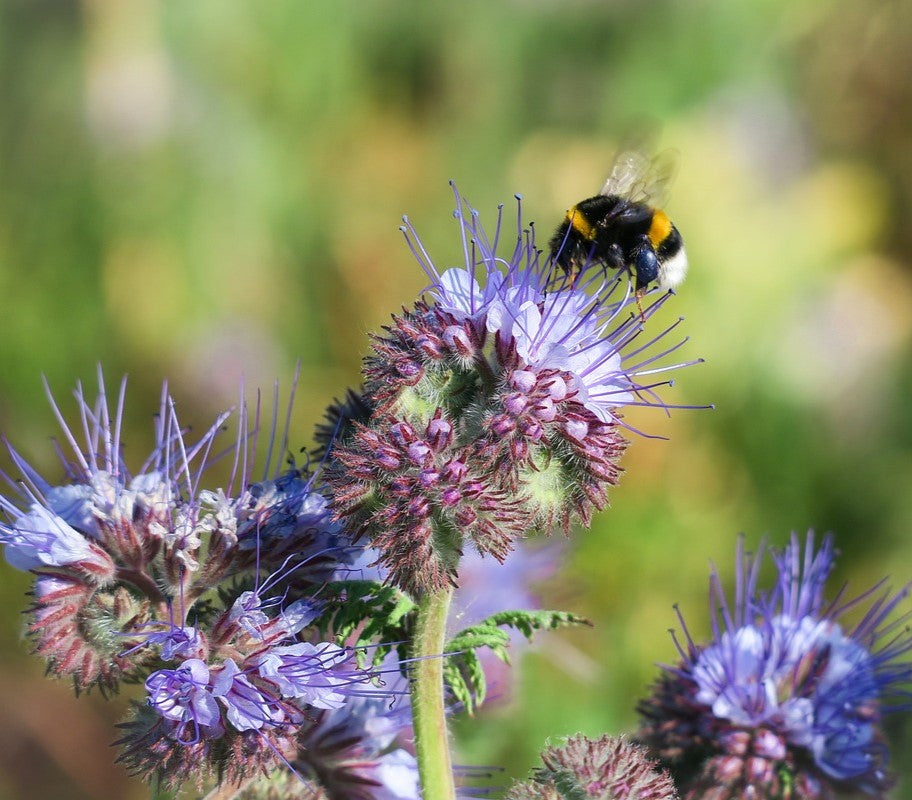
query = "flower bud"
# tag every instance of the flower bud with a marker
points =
(557, 388)
(428, 477)
(576, 428)
(523, 380)
(545, 410)
(430, 346)
(609, 768)
(419, 452)
(515, 403)
(387, 457)
(502, 425)
(458, 340)
(439, 433)
(455, 471)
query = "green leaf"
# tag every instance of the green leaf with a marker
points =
(369, 612)
(527, 622)
(463, 672)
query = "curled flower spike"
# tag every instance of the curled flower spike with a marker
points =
(786, 694)
(420, 498)
(122, 556)
(246, 701)
(609, 768)
(492, 409)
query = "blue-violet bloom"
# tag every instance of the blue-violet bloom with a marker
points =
(787, 692)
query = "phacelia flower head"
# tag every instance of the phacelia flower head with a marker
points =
(787, 696)
(609, 768)
(238, 710)
(121, 555)
(493, 407)
(589, 330)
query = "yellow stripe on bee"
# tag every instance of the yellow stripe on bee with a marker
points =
(580, 224)
(660, 228)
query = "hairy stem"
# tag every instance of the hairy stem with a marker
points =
(431, 738)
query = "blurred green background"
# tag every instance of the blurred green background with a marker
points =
(204, 190)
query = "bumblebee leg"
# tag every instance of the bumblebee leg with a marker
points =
(612, 258)
(645, 264)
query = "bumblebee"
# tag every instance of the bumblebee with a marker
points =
(623, 228)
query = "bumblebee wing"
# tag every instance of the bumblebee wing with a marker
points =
(640, 178)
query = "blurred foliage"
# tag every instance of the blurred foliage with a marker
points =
(207, 190)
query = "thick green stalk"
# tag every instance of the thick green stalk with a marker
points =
(431, 737)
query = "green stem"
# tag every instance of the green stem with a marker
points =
(428, 713)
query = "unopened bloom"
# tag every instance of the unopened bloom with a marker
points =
(786, 693)
(609, 768)
(421, 500)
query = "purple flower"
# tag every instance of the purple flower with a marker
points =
(155, 539)
(591, 332)
(40, 538)
(495, 410)
(184, 696)
(313, 673)
(785, 686)
(461, 294)
(248, 707)
(175, 641)
(247, 614)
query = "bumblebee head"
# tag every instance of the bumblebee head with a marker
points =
(569, 249)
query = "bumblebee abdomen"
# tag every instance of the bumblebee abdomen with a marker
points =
(672, 259)
(660, 228)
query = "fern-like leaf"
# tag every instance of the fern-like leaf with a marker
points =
(366, 613)
(463, 672)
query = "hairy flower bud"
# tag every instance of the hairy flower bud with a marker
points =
(609, 768)
(421, 515)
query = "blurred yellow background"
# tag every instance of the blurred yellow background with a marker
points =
(205, 190)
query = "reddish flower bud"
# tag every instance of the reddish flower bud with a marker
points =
(457, 339)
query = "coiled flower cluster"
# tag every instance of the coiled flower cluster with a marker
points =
(236, 697)
(116, 553)
(209, 596)
(495, 408)
(609, 768)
